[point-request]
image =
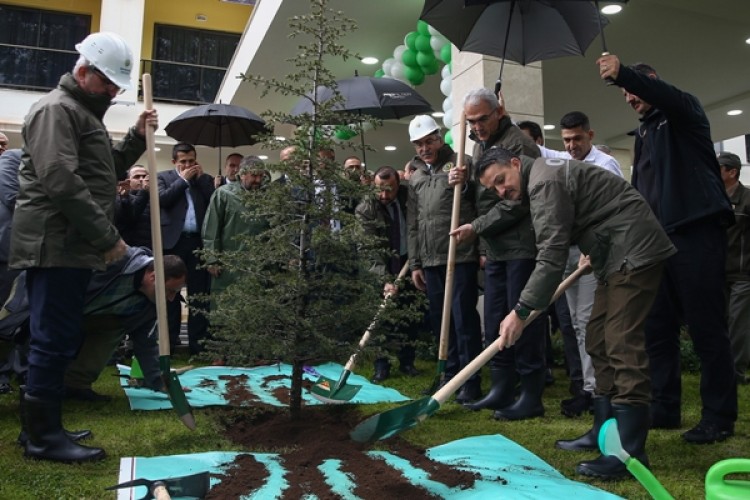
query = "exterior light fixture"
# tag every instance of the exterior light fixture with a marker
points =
(390, 148)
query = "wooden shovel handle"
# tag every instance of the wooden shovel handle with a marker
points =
(445, 322)
(442, 395)
(160, 492)
(366, 337)
(153, 196)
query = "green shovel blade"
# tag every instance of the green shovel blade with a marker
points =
(176, 394)
(391, 422)
(328, 390)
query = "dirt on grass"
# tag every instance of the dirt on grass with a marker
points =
(321, 433)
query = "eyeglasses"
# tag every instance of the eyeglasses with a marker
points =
(106, 81)
(481, 119)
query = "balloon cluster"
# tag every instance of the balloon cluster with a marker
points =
(420, 55)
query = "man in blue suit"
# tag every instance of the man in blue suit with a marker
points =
(184, 193)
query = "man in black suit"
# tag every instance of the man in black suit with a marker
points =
(184, 194)
(384, 218)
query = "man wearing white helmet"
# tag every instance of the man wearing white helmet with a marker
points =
(429, 221)
(63, 224)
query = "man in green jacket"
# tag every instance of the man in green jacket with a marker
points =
(63, 225)
(575, 202)
(737, 287)
(429, 221)
(507, 254)
(227, 222)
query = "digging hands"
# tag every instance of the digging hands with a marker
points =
(148, 117)
(510, 330)
(456, 176)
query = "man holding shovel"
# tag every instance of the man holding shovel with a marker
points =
(63, 225)
(575, 202)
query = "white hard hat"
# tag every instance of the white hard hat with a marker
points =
(108, 53)
(422, 126)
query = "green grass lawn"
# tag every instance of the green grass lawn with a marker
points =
(679, 466)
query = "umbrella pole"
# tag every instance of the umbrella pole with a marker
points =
(362, 139)
(601, 29)
(499, 82)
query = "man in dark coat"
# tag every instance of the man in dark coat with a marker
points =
(676, 171)
(184, 194)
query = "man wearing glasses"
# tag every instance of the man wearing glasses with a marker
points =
(63, 226)
(507, 249)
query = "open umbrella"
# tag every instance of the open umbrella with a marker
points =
(217, 125)
(383, 98)
(535, 30)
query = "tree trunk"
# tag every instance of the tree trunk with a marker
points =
(295, 395)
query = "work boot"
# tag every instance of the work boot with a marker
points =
(502, 392)
(589, 441)
(529, 403)
(632, 425)
(382, 370)
(47, 439)
(23, 435)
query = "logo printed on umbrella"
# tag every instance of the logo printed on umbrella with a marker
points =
(397, 95)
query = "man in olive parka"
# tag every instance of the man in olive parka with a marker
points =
(572, 202)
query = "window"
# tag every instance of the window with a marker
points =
(189, 64)
(38, 46)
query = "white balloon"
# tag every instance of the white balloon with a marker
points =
(444, 73)
(447, 104)
(446, 85)
(398, 52)
(433, 31)
(437, 43)
(448, 119)
(387, 65)
(398, 71)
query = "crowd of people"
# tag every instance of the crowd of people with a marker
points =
(666, 249)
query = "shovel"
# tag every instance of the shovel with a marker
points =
(194, 486)
(610, 445)
(171, 382)
(445, 322)
(329, 391)
(391, 422)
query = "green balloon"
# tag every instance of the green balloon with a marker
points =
(343, 133)
(422, 43)
(409, 58)
(431, 68)
(414, 75)
(445, 53)
(410, 39)
(425, 58)
(423, 28)
(380, 73)
(449, 138)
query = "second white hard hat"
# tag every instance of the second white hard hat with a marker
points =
(109, 53)
(422, 126)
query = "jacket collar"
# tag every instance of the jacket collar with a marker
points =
(96, 103)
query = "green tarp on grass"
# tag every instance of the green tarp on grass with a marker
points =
(207, 386)
(524, 475)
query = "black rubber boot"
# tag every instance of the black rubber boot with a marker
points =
(632, 425)
(576, 405)
(23, 435)
(589, 441)
(46, 438)
(529, 404)
(503, 390)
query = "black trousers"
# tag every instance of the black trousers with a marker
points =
(691, 293)
(198, 282)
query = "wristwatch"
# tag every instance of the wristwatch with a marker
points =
(522, 311)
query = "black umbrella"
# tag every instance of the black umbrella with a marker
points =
(535, 30)
(217, 125)
(383, 98)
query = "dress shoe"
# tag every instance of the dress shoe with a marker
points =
(576, 405)
(409, 370)
(469, 392)
(87, 394)
(381, 374)
(707, 432)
